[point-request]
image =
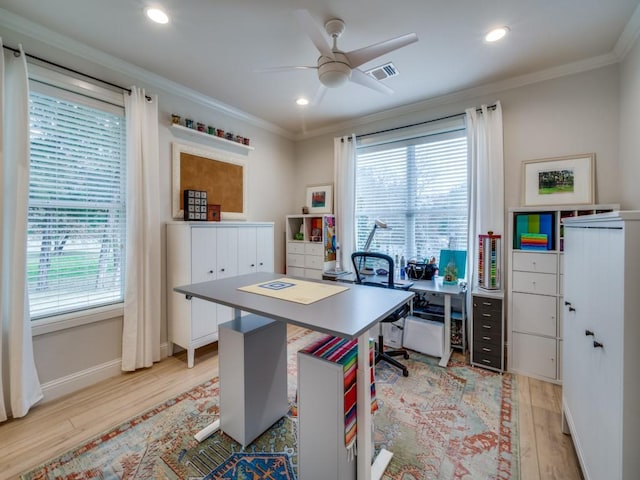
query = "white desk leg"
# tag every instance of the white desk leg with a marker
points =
(365, 421)
(446, 351)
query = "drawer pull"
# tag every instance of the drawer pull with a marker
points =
(588, 333)
(484, 360)
(484, 349)
(571, 309)
(487, 326)
(210, 271)
(487, 304)
(567, 303)
(486, 338)
(597, 344)
(486, 315)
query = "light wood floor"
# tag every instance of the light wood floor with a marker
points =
(55, 427)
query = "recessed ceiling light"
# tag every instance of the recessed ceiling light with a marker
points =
(157, 15)
(496, 34)
(302, 101)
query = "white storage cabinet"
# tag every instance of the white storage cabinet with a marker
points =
(535, 294)
(203, 251)
(312, 254)
(601, 384)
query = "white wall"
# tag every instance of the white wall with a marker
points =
(568, 115)
(629, 120)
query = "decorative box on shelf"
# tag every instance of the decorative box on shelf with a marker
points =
(195, 205)
(213, 212)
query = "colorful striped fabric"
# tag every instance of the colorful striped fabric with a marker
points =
(533, 241)
(345, 353)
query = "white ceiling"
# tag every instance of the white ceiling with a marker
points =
(215, 47)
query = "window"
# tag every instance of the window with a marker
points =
(418, 186)
(76, 219)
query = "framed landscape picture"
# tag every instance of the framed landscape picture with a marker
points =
(566, 180)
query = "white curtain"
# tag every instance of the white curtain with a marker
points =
(19, 385)
(486, 176)
(344, 179)
(141, 325)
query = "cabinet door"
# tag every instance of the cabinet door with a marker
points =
(247, 244)
(598, 309)
(534, 314)
(227, 260)
(265, 249)
(534, 355)
(227, 252)
(203, 269)
(203, 254)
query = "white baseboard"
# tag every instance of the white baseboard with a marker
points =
(78, 380)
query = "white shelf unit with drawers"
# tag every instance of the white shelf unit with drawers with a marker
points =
(535, 293)
(310, 244)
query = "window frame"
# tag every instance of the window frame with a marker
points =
(55, 84)
(451, 128)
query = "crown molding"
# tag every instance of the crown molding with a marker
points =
(629, 35)
(38, 32)
(468, 94)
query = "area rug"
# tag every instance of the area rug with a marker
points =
(453, 423)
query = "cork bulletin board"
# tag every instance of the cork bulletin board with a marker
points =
(221, 174)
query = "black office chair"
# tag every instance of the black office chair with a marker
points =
(371, 262)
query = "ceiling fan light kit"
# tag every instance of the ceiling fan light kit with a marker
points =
(335, 71)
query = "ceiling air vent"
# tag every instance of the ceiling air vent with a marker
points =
(383, 71)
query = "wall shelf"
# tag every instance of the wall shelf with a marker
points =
(195, 135)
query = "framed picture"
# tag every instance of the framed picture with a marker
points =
(320, 199)
(559, 181)
(222, 175)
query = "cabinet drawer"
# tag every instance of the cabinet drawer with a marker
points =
(482, 314)
(313, 273)
(295, 260)
(487, 360)
(535, 262)
(295, 271)
(534, 314)
(492, 327)
(484, 348)
(490, 336)
(541, 283)
(294, 247)
(482, 304)
(313, 248)
(313, 261)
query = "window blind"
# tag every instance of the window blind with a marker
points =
(76, 224)
(419, 187)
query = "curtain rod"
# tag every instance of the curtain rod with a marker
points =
(16, 52)
(421, 123)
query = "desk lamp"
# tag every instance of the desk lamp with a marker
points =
(377, 224)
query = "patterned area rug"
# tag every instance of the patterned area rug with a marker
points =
(453, 423)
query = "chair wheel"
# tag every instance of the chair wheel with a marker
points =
(406, 356)
(405, 373)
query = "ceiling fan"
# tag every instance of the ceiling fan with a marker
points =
(336, 67)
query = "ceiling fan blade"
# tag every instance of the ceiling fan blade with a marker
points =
(319, 95)
(284, 69)
(365, 54)
(314, 33)
(361, 78)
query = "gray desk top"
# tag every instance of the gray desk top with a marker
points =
(347, 314)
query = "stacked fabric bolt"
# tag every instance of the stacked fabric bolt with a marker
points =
(533, 241)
